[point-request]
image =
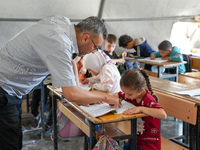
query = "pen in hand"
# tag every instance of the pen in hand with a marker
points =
(120, 102)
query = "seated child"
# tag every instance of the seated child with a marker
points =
(106, 76)
(167, 52)
(136, 88)
(109, 45)
(140, 45)
(143, 49)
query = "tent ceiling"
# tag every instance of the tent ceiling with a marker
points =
(152, 19)
(113, 9)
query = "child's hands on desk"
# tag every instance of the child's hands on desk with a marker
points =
(84, 81)
(153, 57)
(165, 58)
(133, 110)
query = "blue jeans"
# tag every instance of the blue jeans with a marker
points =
(10, 122)
(127, 146)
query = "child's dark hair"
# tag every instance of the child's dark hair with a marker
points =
(111, 38)
(124, 40)
(165, 45)
(135, 79)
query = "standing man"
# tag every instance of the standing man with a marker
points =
(42, 49)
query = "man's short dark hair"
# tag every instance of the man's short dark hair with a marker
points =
(93, 25)
(124, 40)
(165, 45)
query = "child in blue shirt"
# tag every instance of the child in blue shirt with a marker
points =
(167, 52)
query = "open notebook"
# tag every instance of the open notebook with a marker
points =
(195, 93)
(97, 110)
(158, 60)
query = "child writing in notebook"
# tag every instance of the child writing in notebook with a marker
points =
(136, 88)
(167, 52)
(106, 76)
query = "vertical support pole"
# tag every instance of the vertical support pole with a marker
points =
(92, 136)
(133, 134)
(42, 108)
(54, 107)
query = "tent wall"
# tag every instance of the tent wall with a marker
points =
(151, 19)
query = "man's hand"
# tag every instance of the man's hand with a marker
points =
(113, 101)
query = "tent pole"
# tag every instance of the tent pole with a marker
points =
(101, 9)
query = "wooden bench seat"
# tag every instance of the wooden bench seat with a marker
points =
(169, 145)
(123, 128)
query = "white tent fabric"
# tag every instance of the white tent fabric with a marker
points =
(151, 19)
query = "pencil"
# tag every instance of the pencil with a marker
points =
(120, 102)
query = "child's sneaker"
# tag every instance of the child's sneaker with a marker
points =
(36, 123)
(48, 130)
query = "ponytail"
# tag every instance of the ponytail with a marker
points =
(146, 76)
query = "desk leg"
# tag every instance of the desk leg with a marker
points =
(27, 103)
(42, 109)
(54, 107)
(133, 134)
(176, 74)
(92, 136)
(186, 132)
(192, 137)
(159, 72)
(198, 128)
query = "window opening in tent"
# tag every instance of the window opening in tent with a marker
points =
(186, 35)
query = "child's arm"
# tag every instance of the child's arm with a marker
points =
(106, 80)
(154, 112)
(177, 57)
(120, 60)
(156, 54)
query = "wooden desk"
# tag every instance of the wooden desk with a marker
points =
(191, 78)
(77, 115)
(160, 66)
(195, 62)
(182, 107)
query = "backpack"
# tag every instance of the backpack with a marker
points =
(188, 59)
(66, 128)
(131, 65)
(105, 142)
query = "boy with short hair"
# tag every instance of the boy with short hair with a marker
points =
(109, 45)
(167, 52)
(143, 49)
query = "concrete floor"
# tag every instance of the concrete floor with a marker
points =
(169, 128)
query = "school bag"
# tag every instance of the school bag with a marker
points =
(188, 59)
(131, 65)
(105, 142)
(66, 128)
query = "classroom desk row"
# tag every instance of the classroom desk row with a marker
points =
(161, 65)
(77, 116)
(168, 98)
(182, 107)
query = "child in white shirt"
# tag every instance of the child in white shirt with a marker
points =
(106, 76)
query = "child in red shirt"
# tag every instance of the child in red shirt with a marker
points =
(134, 84)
